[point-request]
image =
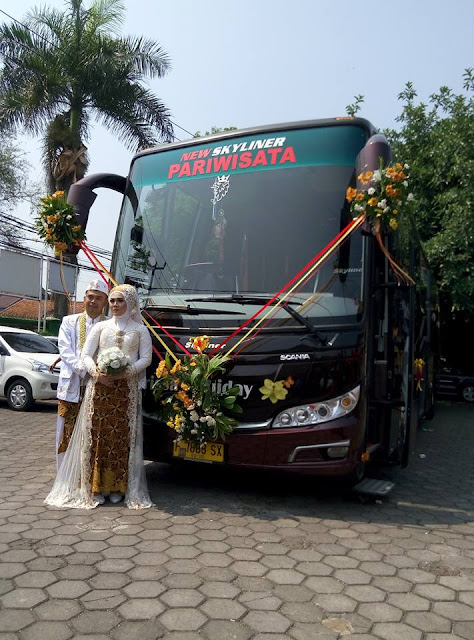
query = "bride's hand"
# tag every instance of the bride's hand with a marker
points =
(103, 378)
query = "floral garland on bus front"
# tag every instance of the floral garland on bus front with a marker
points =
(387, 195)
(384, 197)
(187, 402)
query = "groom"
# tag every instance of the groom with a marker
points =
(72, 335)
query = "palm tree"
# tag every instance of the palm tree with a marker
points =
(63, 68)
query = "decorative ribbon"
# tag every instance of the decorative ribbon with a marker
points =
(299, 278)
(297, 281)
(177, 343)
(311, 300)
(61, 276)
(397, 270)
(93, 259)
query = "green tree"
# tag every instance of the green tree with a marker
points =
(13, 189)
(64, 68)
(213, 130)
(354, 108)
(435, 139)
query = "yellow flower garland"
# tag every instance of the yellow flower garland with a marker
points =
(82, 327)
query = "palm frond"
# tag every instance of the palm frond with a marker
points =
(50, 25)
(138, 109)
(105, 16)
(146, 57)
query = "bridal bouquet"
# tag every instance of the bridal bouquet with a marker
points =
(112, 361)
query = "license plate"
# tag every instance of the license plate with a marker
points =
(207, 451)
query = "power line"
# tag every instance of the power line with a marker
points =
(182, 129)
(29, 228)
(32, 31)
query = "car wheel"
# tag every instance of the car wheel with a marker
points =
(19, 395)
(468, 392)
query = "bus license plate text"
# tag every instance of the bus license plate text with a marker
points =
(207, 451)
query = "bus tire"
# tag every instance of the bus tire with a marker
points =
(355, 476)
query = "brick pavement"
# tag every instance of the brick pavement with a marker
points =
(231, 556)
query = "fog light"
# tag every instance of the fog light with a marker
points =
(337, 452)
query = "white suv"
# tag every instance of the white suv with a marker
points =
(25, 358)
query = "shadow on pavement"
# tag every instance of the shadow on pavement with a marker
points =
(436, 488)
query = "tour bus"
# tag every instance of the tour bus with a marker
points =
(213, 228)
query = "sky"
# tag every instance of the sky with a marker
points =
(246, 63)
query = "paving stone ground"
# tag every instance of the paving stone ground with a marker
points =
(233, 556)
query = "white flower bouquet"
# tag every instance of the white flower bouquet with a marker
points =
(112, 361)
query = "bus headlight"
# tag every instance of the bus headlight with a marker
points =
(318, 412)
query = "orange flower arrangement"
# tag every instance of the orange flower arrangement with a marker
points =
(187, 399)
(387, 194)
(56, 223)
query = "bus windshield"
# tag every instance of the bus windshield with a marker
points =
(234, 220)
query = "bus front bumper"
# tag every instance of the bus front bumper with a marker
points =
(329, 449)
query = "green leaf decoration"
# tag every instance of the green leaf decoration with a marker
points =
(186, 401)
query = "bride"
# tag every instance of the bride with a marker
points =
(105, 453)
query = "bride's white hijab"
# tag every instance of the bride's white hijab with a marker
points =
(132, 312)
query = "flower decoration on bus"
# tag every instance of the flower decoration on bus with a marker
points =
(384, 195)
(56, 223)
(275, 391)
(189, 402)
(419, 373)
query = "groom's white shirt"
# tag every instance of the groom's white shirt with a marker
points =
(72, 370)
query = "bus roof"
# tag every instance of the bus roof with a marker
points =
(225, 135)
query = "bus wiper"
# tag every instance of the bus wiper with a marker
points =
(238, 297)
(191, 311)
(250, 299)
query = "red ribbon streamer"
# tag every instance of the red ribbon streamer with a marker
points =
(92, 259)
(293, 280)
(177, 343)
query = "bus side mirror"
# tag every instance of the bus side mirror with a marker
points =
(369, 156)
